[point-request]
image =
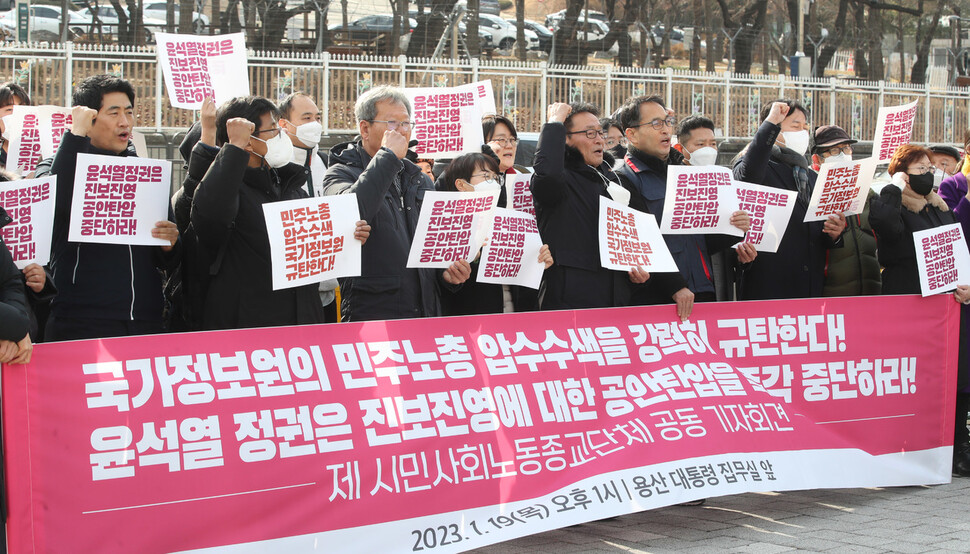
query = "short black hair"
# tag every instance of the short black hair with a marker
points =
(490, 121)
(691, 123)
(90, 92)
(286, 105)
(580, 108)
(629, 114)
(792, 105)
(11, 90)
(608, 123)
(252, 108)
(462, 167)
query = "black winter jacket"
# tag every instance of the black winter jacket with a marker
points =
(100, 281)
(567, 195)
(895, 215)
(389, 195)
(227, 209)
(797, 269)
(13, 304)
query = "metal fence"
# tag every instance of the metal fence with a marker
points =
(522, 90)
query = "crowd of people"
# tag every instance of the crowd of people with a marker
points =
(214, 272)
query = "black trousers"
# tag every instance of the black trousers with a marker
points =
(78, 328)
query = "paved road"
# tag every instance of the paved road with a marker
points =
(902, 519)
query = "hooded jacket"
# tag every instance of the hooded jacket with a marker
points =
(389, 195)
(13, 304)
(100, 281)
(227, 215)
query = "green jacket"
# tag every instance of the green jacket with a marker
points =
(853, 270)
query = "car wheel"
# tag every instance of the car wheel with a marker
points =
(506, 43)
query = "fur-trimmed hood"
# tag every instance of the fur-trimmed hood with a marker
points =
(915, 203)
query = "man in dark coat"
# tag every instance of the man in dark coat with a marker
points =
(571, 175)
(797, 269)
(390, 190)
(103, 290)
(15, 345)
(252, 168)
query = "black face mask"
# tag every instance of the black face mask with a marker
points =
(921, 184)
(618, 151)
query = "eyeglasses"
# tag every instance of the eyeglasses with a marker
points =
(506, 142)
(275, 132)
(590, 133)
(610, 143)
(488, 176)
(659, 123)
(836, 150)
(921, 170)
(392, 124)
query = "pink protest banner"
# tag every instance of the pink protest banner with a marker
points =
(841, 187)
(449, 434)
(452, 226)
(448, 120)
(312, 239)
(629, 238)
(770, 210)
(942, 258)
(518, 193)
(699, 200)
(199, 67)
(118, 200)
(894, 127)
(30, 203)
(512, 253)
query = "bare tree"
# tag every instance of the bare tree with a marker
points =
(924, 36)
(753, 17)
(431, 25)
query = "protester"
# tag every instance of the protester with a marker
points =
(300, 119)
(103, 290)
(695, 140)
(853, 269)
(426, 165)
(252, 168)
(946, 159)
(15, 343)
(501, 137)
(571, 174)
(907, 206)
(616, 142)
(389, 191)
(797, 269)
(648, 126)
(11, 94)
(477, 173)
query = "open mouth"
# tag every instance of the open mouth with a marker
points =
(124, 136)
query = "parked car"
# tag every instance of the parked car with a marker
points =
(484, 6)
(109, 21)
(159, 10)
(45, 23)
(503, 32)
(373, 27)
(553, 19)
(544, 34)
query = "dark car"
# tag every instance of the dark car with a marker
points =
(369, 27)
(545, 35)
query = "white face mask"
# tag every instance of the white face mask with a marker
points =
(279, 150)
(938, 177)
(838, 158)
(797, 141)
(309, 133)
(618, 193)
(703, 156)
(490, 185)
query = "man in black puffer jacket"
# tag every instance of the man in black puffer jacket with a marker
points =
(390, 190)
(103, 290)
(15, 345)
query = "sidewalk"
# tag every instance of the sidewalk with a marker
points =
(904, 519)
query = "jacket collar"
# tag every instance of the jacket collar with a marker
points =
(574, 160)
(915, 203)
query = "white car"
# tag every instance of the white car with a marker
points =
(159, 10)
(503, 32)
(45, 23)
(109, 20)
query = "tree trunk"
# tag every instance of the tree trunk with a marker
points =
(877, 67)
(918, 74)
(570, 50)
(520, 44)
(472, 39)
(859, 63)
(430, 27)
(832, 45)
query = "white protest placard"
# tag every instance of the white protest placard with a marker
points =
(448, 121)
(769, 209)
(451, 226)
(118, 199)
(140, 144)
(894, 127)
(841, 187)
(518, 194)
(35, 133)
(312, 239)
(30, 203)
(942, 258)
(511, 256)
(699, 200)
(196, 67)
(629, 238)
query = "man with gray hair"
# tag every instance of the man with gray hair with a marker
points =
(389, 191)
